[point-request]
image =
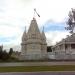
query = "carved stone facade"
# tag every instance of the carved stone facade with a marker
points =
(33, 44)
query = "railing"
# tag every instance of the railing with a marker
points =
(49, 55)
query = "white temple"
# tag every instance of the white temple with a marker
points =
(33, 46)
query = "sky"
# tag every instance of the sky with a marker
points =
(16, 14)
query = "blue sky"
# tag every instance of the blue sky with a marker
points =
(16, 14)
(51, 26)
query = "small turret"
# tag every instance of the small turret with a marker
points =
(24, 37)
(43, 35)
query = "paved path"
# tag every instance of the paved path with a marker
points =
(36, 63)
(39, 73)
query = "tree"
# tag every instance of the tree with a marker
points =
(10, 51)
(1, 52)
(71, 21)
(5, 55)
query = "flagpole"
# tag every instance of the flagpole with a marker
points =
(36, 13)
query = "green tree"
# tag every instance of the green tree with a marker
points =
(71, 21)
(1, 52)
(10, 51)
(5, 55)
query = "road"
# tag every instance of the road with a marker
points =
(36, 63)
(39, 73)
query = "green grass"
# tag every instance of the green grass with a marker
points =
(38, 68)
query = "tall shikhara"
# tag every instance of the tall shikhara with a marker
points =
(33, 44)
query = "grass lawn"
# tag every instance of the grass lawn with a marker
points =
(38, 68)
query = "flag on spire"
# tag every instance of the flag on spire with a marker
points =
(36, 12)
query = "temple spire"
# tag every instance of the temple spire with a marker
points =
(43, 34)
(24, 35)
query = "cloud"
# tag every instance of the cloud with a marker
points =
(55, 31)
(55, 36)
(16, 14)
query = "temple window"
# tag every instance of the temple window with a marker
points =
(73, 46)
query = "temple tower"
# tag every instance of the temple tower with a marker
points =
(33, 44)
